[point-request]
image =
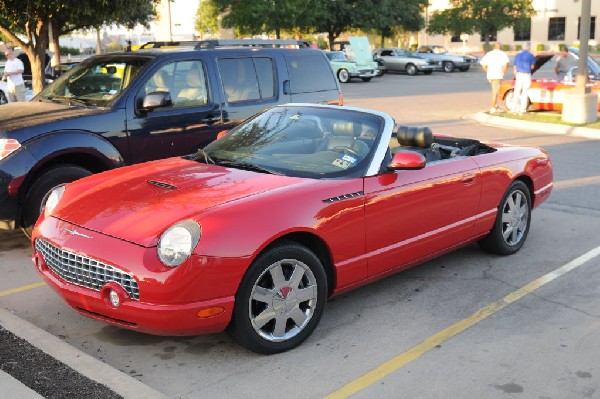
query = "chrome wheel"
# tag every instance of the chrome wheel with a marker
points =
(343, 76)
(515, 218)
(283, 300)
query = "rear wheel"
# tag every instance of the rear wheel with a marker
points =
(343, 76)
(463, 69)
(509, 101)
(411, 69)
(3, 99)
(427, 72)
(280, 300)
(512, 221)
(366, 79)
(36, 197)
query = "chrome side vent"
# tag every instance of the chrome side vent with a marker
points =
(343, 197)
(162, 185)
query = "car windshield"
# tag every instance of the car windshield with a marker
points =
(94, 83)
(300, 141)
(336, 56)
(439, 50)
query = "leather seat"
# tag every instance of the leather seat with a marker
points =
(195, 92)
(345, 136)
(418, 139)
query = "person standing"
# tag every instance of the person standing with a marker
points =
(563, 63)
(494, 63)
(13, 71)
(523, 66)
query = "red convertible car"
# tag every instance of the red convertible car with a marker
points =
(545, 94)
(299, 203)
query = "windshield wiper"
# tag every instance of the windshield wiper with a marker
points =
(203, 155)
(248, 166)
(68, 100)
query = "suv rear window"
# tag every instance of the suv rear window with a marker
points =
(307, 74)
(247, 79)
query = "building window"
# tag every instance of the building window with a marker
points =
(556, 28)
(522, 30)
(592, 27)
(455, 38)
(492, 36)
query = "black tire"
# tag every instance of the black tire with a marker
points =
(38, 193)
(464, 69)
(343, 76)
(512, 221)
(427, 72)
(3, 99)
(509, 101)
(289, 320)
(448, 66)
(366, 79)
(411, 69)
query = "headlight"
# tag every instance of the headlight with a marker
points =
(8, 146)
(53, 199)
(177, 242)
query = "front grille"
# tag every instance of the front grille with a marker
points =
(83, 271)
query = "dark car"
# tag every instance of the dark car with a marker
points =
(131, 107)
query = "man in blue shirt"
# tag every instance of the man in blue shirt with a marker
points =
(523, 65)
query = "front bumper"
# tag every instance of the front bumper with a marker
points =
(169, 299)
(364, 73)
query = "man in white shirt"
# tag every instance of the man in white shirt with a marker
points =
(13, 71)
(494, 63)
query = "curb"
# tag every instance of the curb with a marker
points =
(92, 368)
(551, 128)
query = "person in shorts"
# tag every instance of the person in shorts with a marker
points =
(495, 63)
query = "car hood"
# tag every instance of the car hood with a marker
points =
(540, 61)
(361, 49)
(139, 203)
(23, 115)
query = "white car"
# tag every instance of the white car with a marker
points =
(4, 89)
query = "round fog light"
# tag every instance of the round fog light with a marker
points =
(114, 298)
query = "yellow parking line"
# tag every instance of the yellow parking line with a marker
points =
(417, 351)
(21, 289)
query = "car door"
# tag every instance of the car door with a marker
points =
(192, 121)
(390, 60)
(412, 214)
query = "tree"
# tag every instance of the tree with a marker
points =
(258, 16)
(336, 17)
(207, 17)
(480, 16)
(32, 20)
(387, 16)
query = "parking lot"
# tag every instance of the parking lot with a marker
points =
(467, 325)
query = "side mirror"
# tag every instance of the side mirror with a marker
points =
(407, 160)
(221, 134)
(156, 99)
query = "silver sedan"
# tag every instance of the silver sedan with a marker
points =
(401, 60)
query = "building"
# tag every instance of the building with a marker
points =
(556, 22)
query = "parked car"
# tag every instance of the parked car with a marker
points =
(131, 107)
(402, 60)
(545, 94)
(592, 65)
(345, 69)
(446, 61)
(253, 233)
(53, 72)
(358, 50)
(4, 89)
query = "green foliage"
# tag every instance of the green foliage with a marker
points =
(69, 50)
(562, 46)
(518, 47)
(487, 47)
(113, 47)
(207, 17)
(540, 47)
(506, 47)
(479, 16)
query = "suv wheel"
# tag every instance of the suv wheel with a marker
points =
(43, 185)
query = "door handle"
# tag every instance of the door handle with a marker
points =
(468, 178)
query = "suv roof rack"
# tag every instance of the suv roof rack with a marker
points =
(251, 43)
(183, 43)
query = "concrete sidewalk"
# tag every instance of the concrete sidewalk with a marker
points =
(12, 388)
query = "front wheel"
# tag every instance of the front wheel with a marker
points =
(343, 76)
(510, 101)
(512, 221)
(427, 72)
(280, 300)
(36, 197)
(366, 79)
(448, 66)
(463, 69)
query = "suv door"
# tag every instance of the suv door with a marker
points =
(189, 123)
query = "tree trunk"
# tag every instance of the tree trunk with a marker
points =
(382, 39)
(98, 42)
(54, 44)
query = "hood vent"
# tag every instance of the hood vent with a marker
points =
(343, 197)
(162, 185)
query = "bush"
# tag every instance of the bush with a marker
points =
(540, 47)
(69, 51)
(506, 47)
(112, 47)
(518, 47)
(487, 47)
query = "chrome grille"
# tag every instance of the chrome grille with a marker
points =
(83, 271)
